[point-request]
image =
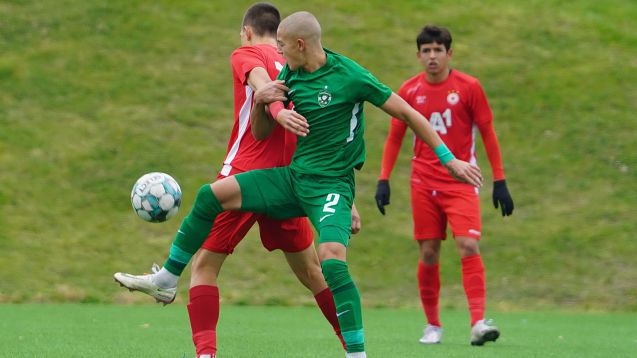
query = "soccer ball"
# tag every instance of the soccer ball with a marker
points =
(156, 197)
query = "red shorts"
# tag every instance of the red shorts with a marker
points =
(230, 227)
(432, 209)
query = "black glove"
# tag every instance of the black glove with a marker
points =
(502, 197)
(382, 195)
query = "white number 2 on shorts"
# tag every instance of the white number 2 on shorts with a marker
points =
(332, 199)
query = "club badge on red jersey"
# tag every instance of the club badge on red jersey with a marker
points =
(453, 97)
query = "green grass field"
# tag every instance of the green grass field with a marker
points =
(261, 331)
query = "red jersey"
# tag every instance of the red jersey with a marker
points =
(244, 151)
(454, 108)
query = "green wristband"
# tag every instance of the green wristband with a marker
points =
(444, 154)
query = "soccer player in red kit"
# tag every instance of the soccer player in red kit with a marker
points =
(253, 65)
(455, 105)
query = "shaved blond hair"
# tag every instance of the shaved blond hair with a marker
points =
(302, 25)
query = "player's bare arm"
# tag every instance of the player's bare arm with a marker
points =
(461, 170)
(356, 220)
(262, 126)
(289, 119)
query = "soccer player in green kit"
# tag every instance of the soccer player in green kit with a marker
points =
(328, 91)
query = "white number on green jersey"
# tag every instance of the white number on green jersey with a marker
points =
(332, 199)
(440, 122)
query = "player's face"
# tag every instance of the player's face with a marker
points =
(434, 58)
(288, 48)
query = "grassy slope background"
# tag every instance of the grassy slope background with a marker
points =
(95, 94)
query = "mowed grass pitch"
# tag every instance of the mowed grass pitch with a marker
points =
(266, 331)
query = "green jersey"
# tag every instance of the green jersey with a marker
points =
(331, 99)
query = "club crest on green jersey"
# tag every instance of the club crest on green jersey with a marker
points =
(324, 97)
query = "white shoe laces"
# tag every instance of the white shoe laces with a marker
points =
(155, 268)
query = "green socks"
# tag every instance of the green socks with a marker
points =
(348, 303)
(193, 230)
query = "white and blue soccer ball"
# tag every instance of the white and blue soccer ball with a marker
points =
(156, 197)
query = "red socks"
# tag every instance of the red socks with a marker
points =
(203, 310)
(325, 301)
(473, 280)
(429, 286)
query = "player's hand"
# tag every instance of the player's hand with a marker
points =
(502, 197)
(271, 92)
(356, 221)
(382, 195)
(293, 122)
(465, 172)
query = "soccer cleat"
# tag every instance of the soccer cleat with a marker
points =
(356, 355)
(145, 284)
(484, 331)
(431, 335)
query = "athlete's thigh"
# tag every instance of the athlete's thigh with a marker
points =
(229, 228)
(269, 191)
(430, 222)
(288, 235)
(463, 212)
(328, 204)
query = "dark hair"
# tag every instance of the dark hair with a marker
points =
(432, 33)
(264, 19)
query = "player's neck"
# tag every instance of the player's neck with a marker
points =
(315, 60)
(263, 41)
(435, 78)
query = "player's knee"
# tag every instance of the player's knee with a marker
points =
(227, 192)
(206, 205)
(430, 251)
(467, 246)
(333, 241)
(429, 256)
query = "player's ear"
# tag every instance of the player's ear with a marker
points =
(419, 52)
(300, 43)
(248, 32)
(450, 52)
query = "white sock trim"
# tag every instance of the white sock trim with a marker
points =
(165, 279)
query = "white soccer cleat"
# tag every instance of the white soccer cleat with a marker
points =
(431, 335)
(356, 355)
(484, 331)
(145, 284)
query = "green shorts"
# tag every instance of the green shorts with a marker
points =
(281, 193)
